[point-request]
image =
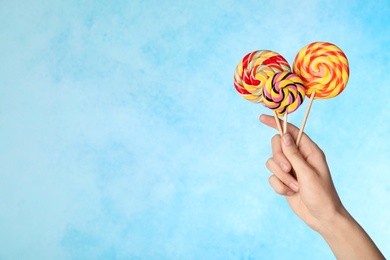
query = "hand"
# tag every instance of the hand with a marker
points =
(312, 195)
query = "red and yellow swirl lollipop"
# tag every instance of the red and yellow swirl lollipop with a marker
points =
(259, 69)
(324, 70)
(254, 70)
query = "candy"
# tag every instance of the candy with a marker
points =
(254, 70)
(265, 77)
(284, 92)
(323, 68)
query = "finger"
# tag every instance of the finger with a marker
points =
(317, 159)
(306, 146)
(312, 155)
(277, 154)
(299, 164)
(286, 178)
(270, 121)
(279, 187)
(292, 129)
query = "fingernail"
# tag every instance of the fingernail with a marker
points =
(287, 139)
(284, 166)
(294, 186)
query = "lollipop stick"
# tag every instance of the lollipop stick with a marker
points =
(285, 123)
(305, 118)
(278, 123)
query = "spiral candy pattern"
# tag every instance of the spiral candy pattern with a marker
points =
(254, 70)
(323, 68)
(284, 93)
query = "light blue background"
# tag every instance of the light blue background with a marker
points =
(122, 136)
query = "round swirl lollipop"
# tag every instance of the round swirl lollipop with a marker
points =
(254, 72)
(284, 93)
(324, 70)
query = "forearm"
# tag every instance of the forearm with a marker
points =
(348, 240)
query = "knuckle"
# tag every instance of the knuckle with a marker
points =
(295, 153)
(280, 191)
(275, 184)
(273, 180)
(275, 138)
(268, 163)
(322, 154)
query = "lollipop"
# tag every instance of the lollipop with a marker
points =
(265, 77)
(284, 93)
(324, 70)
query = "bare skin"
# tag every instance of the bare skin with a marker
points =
(312, 195)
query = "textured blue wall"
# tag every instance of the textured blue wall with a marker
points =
(122, 137)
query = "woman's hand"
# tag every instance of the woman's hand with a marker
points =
(312, 195)
(302, 175)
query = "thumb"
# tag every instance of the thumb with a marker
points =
(292, 153)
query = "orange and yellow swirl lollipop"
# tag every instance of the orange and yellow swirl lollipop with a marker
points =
(324, 70)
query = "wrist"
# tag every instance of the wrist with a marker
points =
(333, 227)
(347, 238)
